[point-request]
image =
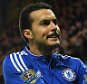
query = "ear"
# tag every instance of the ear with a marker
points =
(27, 34)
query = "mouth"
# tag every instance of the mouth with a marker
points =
(54, 35)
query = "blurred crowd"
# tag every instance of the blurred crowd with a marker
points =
(72, 19)
(10, 38)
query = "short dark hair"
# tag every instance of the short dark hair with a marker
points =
(25, 21)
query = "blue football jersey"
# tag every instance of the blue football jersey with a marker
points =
(25, 67)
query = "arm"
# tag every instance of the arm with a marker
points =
(11, 76)
(82, 73)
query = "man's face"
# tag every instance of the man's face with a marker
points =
(45, 30)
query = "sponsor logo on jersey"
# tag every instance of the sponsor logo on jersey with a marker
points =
(30, 76)
(69, 74)
(85, 78)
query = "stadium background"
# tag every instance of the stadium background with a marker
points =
(72, 18)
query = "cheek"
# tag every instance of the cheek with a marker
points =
(40, 31)
(45, 32)
(38, 34)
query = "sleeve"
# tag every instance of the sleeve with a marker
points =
(82, 73)
(11, 76)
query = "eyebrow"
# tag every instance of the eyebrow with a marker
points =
(48, 20)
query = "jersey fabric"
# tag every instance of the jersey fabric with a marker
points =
(26, 68)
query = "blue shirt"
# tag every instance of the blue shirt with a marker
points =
(26, 68)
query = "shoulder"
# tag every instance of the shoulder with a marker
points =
(70, 61)
(15, 61)
(75, 63)
(65, 57)
(70, 58)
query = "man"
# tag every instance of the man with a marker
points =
(37, 63)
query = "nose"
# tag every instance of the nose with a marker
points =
(53, 26)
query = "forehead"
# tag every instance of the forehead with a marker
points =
(42, 14)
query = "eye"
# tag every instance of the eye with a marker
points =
(45, 22)
(55, 21)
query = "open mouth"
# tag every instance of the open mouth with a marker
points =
(54, 35)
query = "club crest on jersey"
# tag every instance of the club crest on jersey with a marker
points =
(30, 76)
(69, 74)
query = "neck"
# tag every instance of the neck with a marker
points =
(40, 51)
